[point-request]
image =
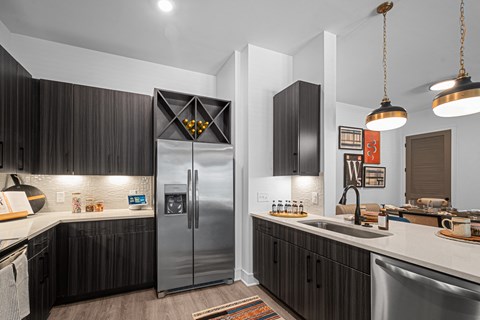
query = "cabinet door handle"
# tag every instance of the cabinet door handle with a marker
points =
(109, 163)
(317, 274)
(308, 273)
(1, 154)
(295, 162)
(118, 164)
(21, 159)
(46, 269)
(275, 254)
(65, 161)
(42, 260)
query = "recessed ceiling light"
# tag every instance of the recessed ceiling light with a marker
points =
(165, 5)
(442, 85)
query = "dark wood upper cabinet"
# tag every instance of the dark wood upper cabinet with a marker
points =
(55, 137)
(296, 130)
(94, 131)
(134, 132)
(113, 132)
(25, 120)
(8, 112)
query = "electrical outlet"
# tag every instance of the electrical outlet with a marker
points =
(61, 197)
(262, 197)
(314, 197)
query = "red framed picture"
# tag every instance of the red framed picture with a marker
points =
(371, 147)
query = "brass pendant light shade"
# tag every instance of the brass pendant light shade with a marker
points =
(464, 97)
(387, 117)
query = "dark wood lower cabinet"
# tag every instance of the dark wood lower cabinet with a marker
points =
(42, 270)
(77, 261)
(104, 257)
(309, 281)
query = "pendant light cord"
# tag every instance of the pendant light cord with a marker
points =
(385, 95)
(463, 31)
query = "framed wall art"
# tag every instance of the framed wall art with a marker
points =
(353, 170)
(371, 147)
(374, 177)
(350, 138)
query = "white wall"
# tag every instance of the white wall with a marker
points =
(390, 146)
(56, 61)
(465, 152)
(228, 82)
(264, 73)
(316, 62)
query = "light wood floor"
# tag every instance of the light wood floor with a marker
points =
(144, 305)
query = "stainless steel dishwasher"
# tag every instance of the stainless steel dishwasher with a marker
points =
(404, 291)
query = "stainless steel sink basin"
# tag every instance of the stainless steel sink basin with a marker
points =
(343, 229)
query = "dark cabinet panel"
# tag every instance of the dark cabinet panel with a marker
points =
(90, 264)
(297, 276)
(8, 112)
(134, 258)
(24, 122)
(42, 274)
(347, 293)
(318, 278)
(55, 138)
(102, 257)
(296, 130)
(133, 134)
(285, 132)
(94, 133)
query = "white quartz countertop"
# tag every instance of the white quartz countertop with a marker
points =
(37, 223)
(409, 242)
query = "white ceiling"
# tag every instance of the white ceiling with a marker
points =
(201, 35)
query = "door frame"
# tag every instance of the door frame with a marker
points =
(453, 161)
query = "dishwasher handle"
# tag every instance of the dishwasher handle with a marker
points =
(439, 285)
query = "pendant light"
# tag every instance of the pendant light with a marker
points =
(464, 97)
(387, 117)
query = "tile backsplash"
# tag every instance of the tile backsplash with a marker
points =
(302, 188)
(112, 189)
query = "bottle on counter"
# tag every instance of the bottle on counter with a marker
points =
(288, 207)
(280, 206)
(295, 207)
(76, 202)
(300, 207)
(383, 219)
(274, 207)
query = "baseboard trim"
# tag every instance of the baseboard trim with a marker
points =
(238, 274)
(248, 279)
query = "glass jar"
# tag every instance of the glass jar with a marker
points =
(89, 205)
(99, 206)
(76, 202)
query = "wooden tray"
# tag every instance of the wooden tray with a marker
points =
(289, 215)
(448, 234)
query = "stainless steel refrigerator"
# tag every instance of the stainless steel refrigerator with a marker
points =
(195, 215)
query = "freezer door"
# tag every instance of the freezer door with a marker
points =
(214, 247)
(174, 212)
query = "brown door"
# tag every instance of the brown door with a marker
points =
(428, 170)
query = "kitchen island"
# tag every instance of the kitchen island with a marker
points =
(412, 243)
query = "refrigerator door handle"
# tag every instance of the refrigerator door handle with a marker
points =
(197, 201)
(189, 197)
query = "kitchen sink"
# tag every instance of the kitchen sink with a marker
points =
(343, 229)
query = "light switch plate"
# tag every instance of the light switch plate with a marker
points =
(262, 197)
(315, 197)
(61, 197)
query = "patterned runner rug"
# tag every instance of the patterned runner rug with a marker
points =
(252, 308)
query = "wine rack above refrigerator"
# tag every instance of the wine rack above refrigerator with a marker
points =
(187, 117)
